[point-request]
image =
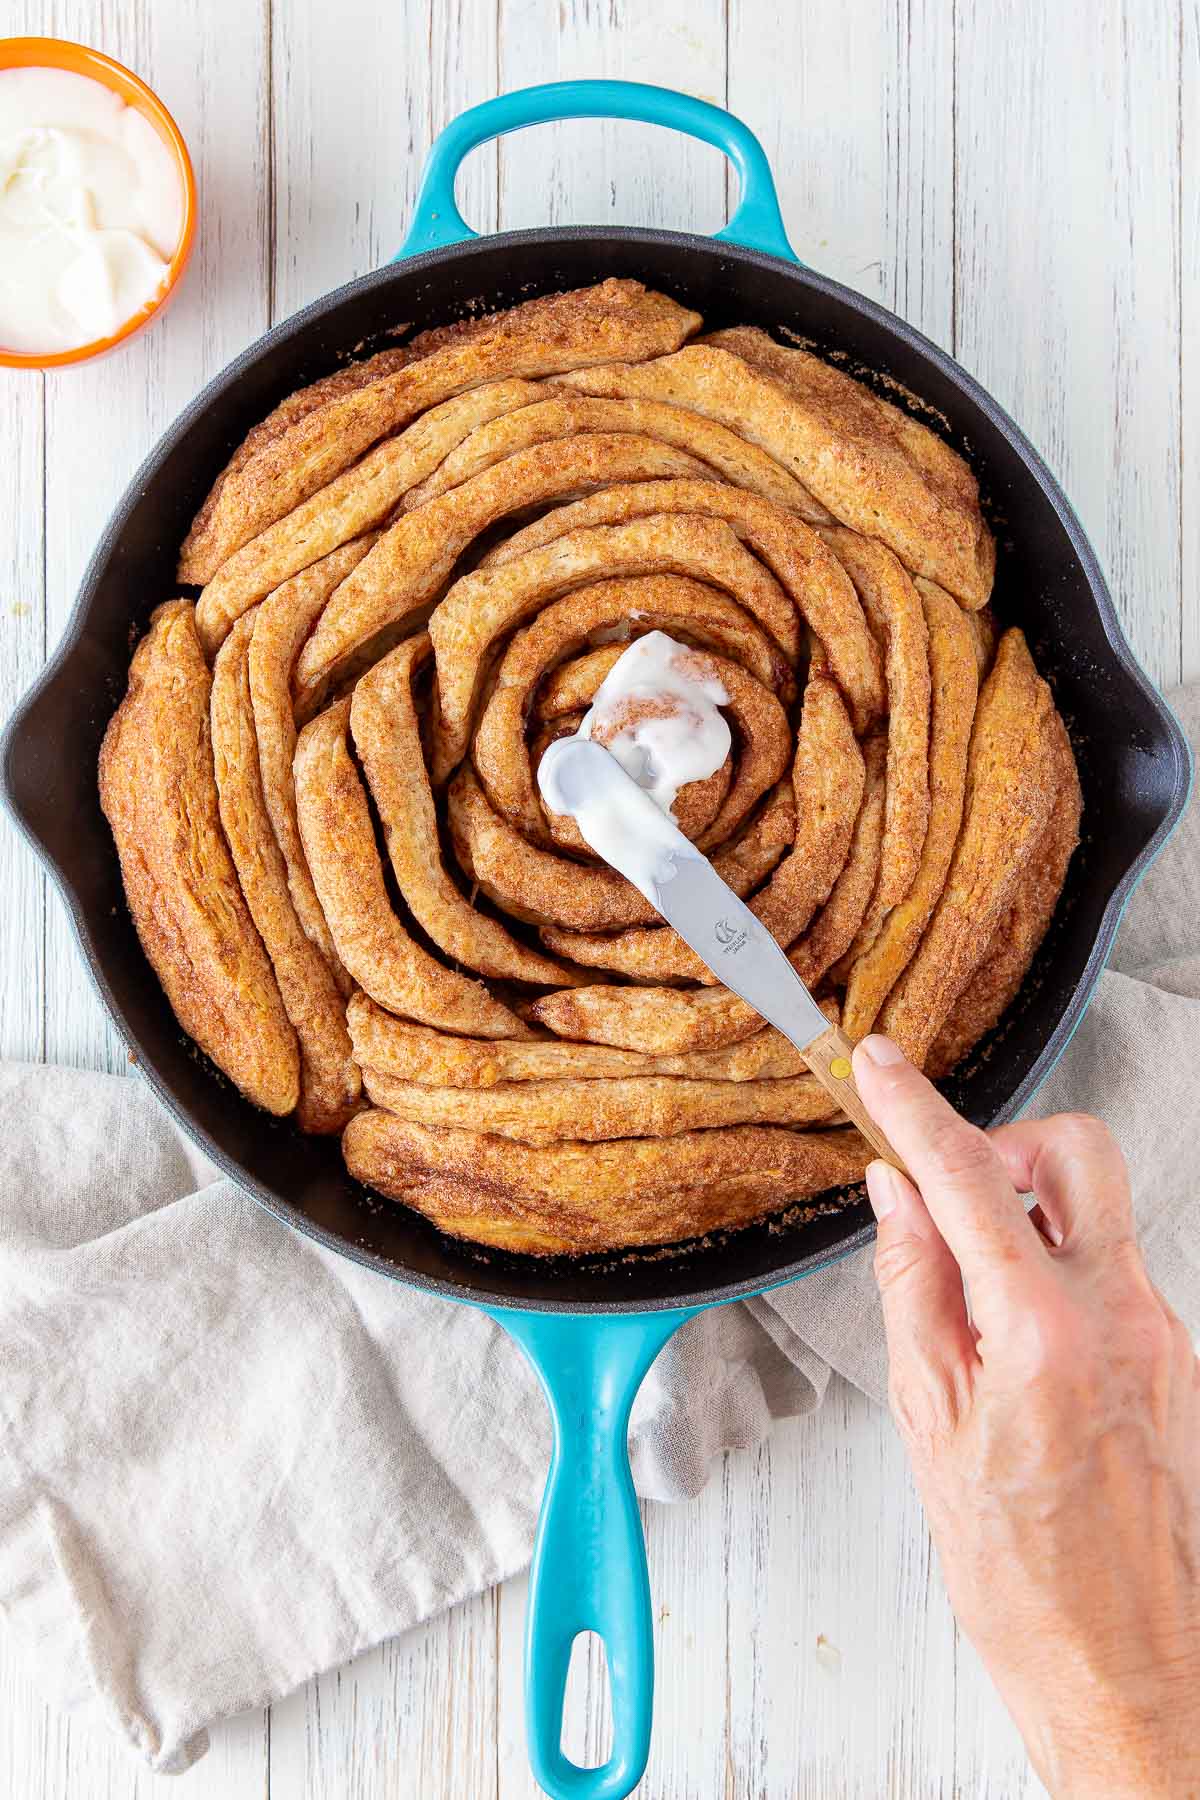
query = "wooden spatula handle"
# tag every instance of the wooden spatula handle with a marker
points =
(829, 1059)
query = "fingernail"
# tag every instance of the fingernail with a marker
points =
(883, 1188)
(881, 1051)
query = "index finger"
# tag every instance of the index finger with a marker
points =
(962, 1180)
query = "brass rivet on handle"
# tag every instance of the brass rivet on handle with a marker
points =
(839, 1067)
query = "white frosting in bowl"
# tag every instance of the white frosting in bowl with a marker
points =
(91, 211)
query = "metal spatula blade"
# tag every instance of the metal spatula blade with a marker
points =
(681, 883)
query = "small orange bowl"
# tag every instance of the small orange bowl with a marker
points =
(77, 59)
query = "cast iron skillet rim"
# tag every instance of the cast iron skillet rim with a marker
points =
(541, 238)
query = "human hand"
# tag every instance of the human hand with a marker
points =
(1054, 1433)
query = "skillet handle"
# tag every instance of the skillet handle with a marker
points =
(589, 1558)
(757, 223)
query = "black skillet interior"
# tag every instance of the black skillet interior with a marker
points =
(1132, 757)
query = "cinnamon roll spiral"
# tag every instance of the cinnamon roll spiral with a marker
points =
(413, 577)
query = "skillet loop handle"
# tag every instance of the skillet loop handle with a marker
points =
(589, 1557)
(757, 222)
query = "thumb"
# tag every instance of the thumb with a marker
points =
(931, 1347)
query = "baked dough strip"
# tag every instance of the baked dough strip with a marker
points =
(329, 1078)
(1009, 793)
(954, 685)
(1018, 938)
(893, 609)
(801, 562)
(439, 1059)
(159, 795)
(555, 1111)
(730, 457)
(196, 562)
(387, 736)
(352, 504)
(282, 622)
(542, 337)
(871, 465)
(634, 1191)
(339, 842)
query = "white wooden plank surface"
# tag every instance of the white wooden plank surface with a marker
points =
(1021, 182)
(22, 652)
(359, 92)
(863, 150)
(416, 1717)
(1067, 271)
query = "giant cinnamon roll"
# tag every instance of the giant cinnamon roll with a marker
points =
(414, 576)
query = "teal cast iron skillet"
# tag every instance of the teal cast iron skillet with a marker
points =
(591, 1327)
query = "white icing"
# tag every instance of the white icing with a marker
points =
(632, 827)
(687, 743)
(91, 210)
(620, 821)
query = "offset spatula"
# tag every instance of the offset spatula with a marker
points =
(624, 826)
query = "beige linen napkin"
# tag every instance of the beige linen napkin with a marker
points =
(230, 1458)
